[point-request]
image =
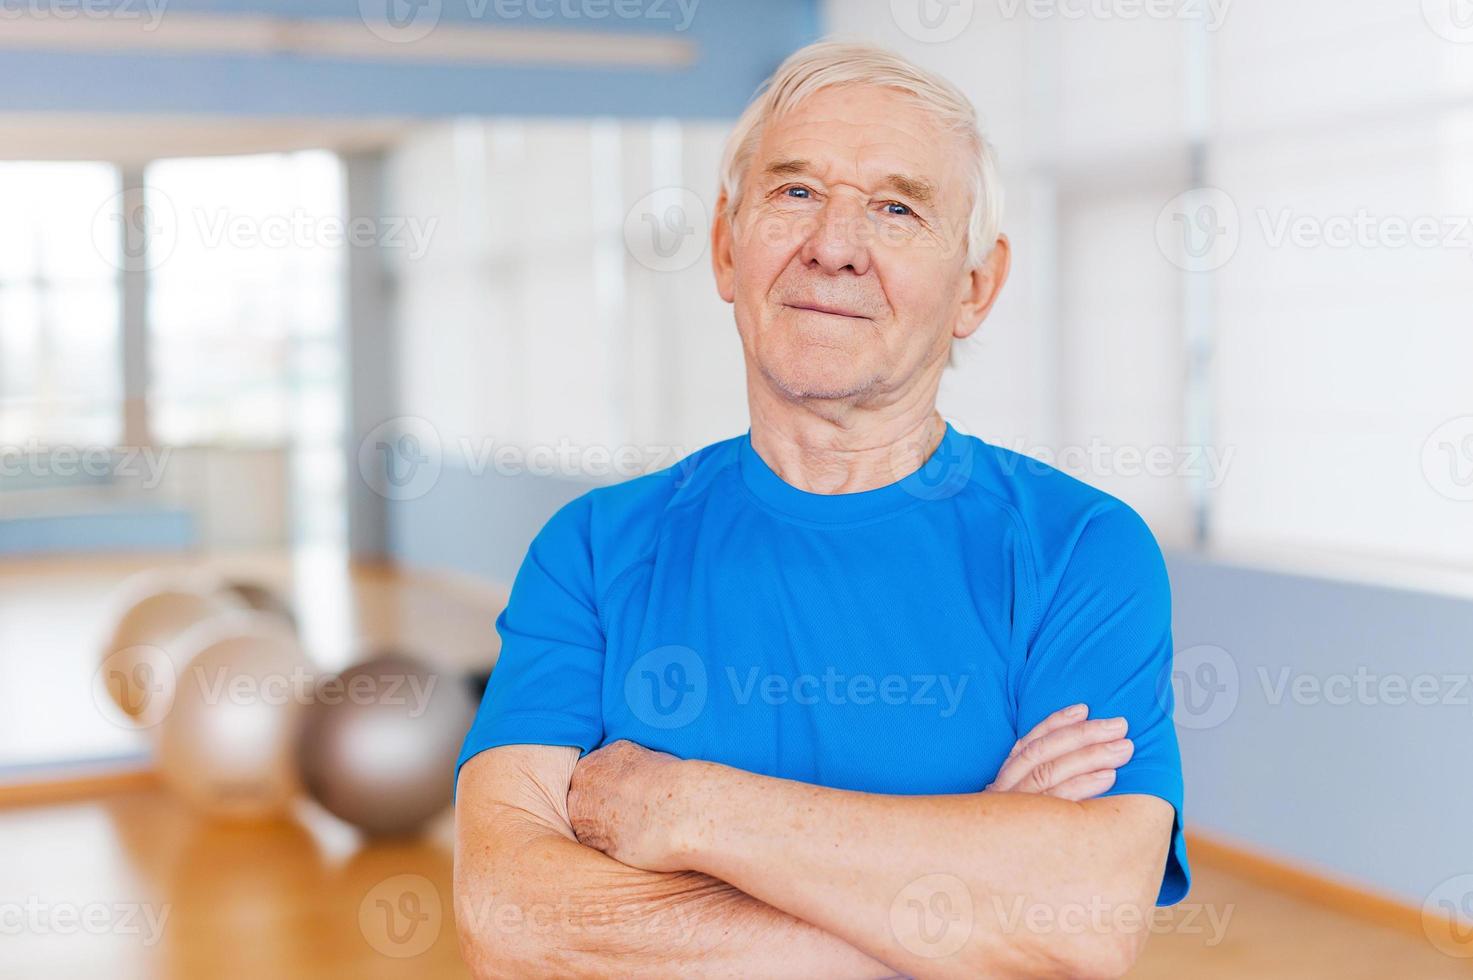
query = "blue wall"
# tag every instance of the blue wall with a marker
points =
(1374, 790)
(103, 529)
(738, 43)
(83, 511)
(481, 524)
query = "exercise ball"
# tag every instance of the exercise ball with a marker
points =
(227, 746)
(140, 659)
(380, 740)
(262, 598)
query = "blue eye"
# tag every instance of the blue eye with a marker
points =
(799, 190)
(904, 210)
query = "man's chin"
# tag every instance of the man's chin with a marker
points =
(821, 381)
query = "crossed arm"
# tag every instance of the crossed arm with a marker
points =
(692, 868)
(533, 901)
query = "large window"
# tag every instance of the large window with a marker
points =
(60, 282)
(236, 357)
(246, 272)
(246, 315)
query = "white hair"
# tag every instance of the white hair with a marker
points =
(828, 63)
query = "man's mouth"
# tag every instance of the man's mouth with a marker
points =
(826, 308)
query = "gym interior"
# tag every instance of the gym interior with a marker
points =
(312, 313)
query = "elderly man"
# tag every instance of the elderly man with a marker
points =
(759, 714)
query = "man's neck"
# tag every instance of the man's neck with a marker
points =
(846, 452)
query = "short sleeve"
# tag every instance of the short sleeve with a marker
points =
(1104, 638)
(545, 687)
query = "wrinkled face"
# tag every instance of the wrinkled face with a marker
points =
(846, 262)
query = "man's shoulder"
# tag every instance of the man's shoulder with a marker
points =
(1055, 511)
(1038, 491)
(657, 491)
(624, 517)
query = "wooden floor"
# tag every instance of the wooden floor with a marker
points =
(305, 899)
(132, 884)
(181, 897)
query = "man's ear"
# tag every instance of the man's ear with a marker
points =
(721, 257)
(982, 287)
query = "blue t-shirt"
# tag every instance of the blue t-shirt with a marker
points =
(896, 640)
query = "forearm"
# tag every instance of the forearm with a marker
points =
(936, 886)
(537, 904)
(531, 901)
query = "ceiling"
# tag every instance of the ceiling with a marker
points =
(135, 139)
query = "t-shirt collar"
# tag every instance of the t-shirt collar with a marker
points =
(944, 473)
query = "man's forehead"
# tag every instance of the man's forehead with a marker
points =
(831, 137)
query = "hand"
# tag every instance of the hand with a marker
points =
(1066, 756)
(620, 802)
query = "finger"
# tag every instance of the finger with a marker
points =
(1046, 775)
(1064, 716)
(1086, 787)
(1047, 750)
(1055, 744)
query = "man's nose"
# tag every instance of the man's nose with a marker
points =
(840, 238)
